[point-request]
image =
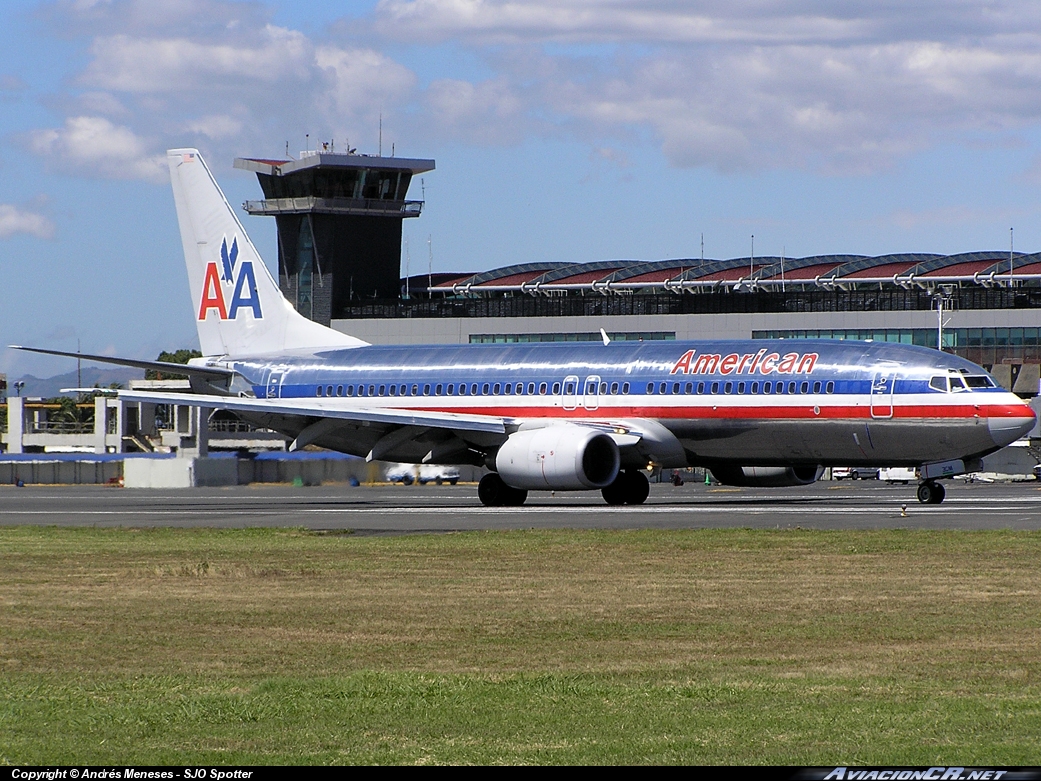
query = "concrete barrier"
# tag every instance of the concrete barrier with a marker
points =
(65, 472)
(159, 473)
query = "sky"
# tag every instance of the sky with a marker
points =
(574, 130)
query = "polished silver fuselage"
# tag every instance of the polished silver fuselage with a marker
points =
(754, 402)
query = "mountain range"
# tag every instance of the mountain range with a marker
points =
(48, 387)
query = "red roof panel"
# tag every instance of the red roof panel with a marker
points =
(885, 270)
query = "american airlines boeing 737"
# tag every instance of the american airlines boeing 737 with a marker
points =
(564, 417)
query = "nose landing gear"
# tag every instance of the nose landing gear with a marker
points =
(931, 492)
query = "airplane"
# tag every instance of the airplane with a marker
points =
(568, 416)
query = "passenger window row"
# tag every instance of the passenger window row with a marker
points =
(439, 389)
(740, 387)
(571, 387)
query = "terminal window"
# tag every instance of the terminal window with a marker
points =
(625, 336)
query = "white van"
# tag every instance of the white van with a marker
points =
(853, 473)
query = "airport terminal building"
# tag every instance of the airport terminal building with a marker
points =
(989, 315)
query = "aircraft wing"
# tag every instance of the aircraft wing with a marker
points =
(326, 409)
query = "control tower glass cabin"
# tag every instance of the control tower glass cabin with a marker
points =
(339, 225)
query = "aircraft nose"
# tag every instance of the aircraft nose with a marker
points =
(1010, 424)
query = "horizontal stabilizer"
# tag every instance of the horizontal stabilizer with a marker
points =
(208, 372)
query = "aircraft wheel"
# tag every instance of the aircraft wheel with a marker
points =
(931, 493)
(637, 488)
(615, 493)
(515, 497)
(492, 491)
(938, 493)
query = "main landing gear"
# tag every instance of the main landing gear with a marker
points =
(493, 492)
(931, 492)
(630, 487)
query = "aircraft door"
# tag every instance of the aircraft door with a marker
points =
(882, 393)
(592, 394)
(570, 391)
(274, 383)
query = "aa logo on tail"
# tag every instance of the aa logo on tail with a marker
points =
(217, 281)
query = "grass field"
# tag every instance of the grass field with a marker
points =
(283, 646)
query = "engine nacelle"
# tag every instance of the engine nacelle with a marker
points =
(558, 458)
(767, 476)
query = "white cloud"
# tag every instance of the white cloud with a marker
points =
(848, 87)
(485, 112)
(11, 83)
(94, 145)
(15, 219)
(145, 17)
(215, 126)
(357, 81)
(95, 103)
(127, 63)
(763, 22)
(776, 83)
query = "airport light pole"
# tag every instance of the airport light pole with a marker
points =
(944, 301)
(1010, 256)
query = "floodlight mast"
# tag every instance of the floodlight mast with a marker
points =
(944, 301)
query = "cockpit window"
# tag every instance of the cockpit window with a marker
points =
(979, 381)
(957, 384)
(938, 384)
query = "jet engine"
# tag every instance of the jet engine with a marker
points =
(767, 476)
(558, 458)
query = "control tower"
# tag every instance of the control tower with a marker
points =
(339, 225)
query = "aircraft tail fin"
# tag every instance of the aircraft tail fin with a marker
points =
(238, 307)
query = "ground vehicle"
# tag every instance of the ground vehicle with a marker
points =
(422, 474)
(854, 473)
(897, 474)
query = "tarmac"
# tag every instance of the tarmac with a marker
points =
(388, 509)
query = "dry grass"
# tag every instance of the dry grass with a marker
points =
(769, 631)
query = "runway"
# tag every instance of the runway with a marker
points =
(431, 509)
